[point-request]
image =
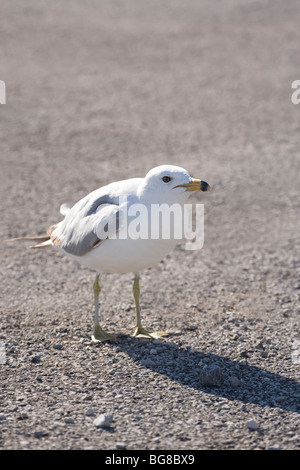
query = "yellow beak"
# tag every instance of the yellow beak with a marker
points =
(195, 185)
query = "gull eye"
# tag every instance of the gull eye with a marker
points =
(166, 179)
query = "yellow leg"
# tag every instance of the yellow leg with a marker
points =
(99, 335)
(140, 331)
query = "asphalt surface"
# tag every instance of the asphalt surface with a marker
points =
(98, 91)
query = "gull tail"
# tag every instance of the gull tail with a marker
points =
(45, 244)
(43, 241)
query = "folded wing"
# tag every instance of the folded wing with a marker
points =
(87, 224)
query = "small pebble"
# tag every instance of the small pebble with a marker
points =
(234, 381)
(120, 446)
(103, 421)
(40, 434)
(36, 359)
(69, 421)
(252, 425)
(211, 376)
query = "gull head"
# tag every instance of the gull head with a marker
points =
(171, 184)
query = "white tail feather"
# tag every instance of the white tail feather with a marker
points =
(29, 239)
(45, 244)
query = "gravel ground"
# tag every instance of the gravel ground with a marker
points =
(99, 91)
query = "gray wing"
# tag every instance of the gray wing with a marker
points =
(91, 221)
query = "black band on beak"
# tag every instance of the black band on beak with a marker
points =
(204, 186)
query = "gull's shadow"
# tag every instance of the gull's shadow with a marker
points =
(183, 365)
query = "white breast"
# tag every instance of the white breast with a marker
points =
(124, 256)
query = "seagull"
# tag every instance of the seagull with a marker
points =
(96, 232)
